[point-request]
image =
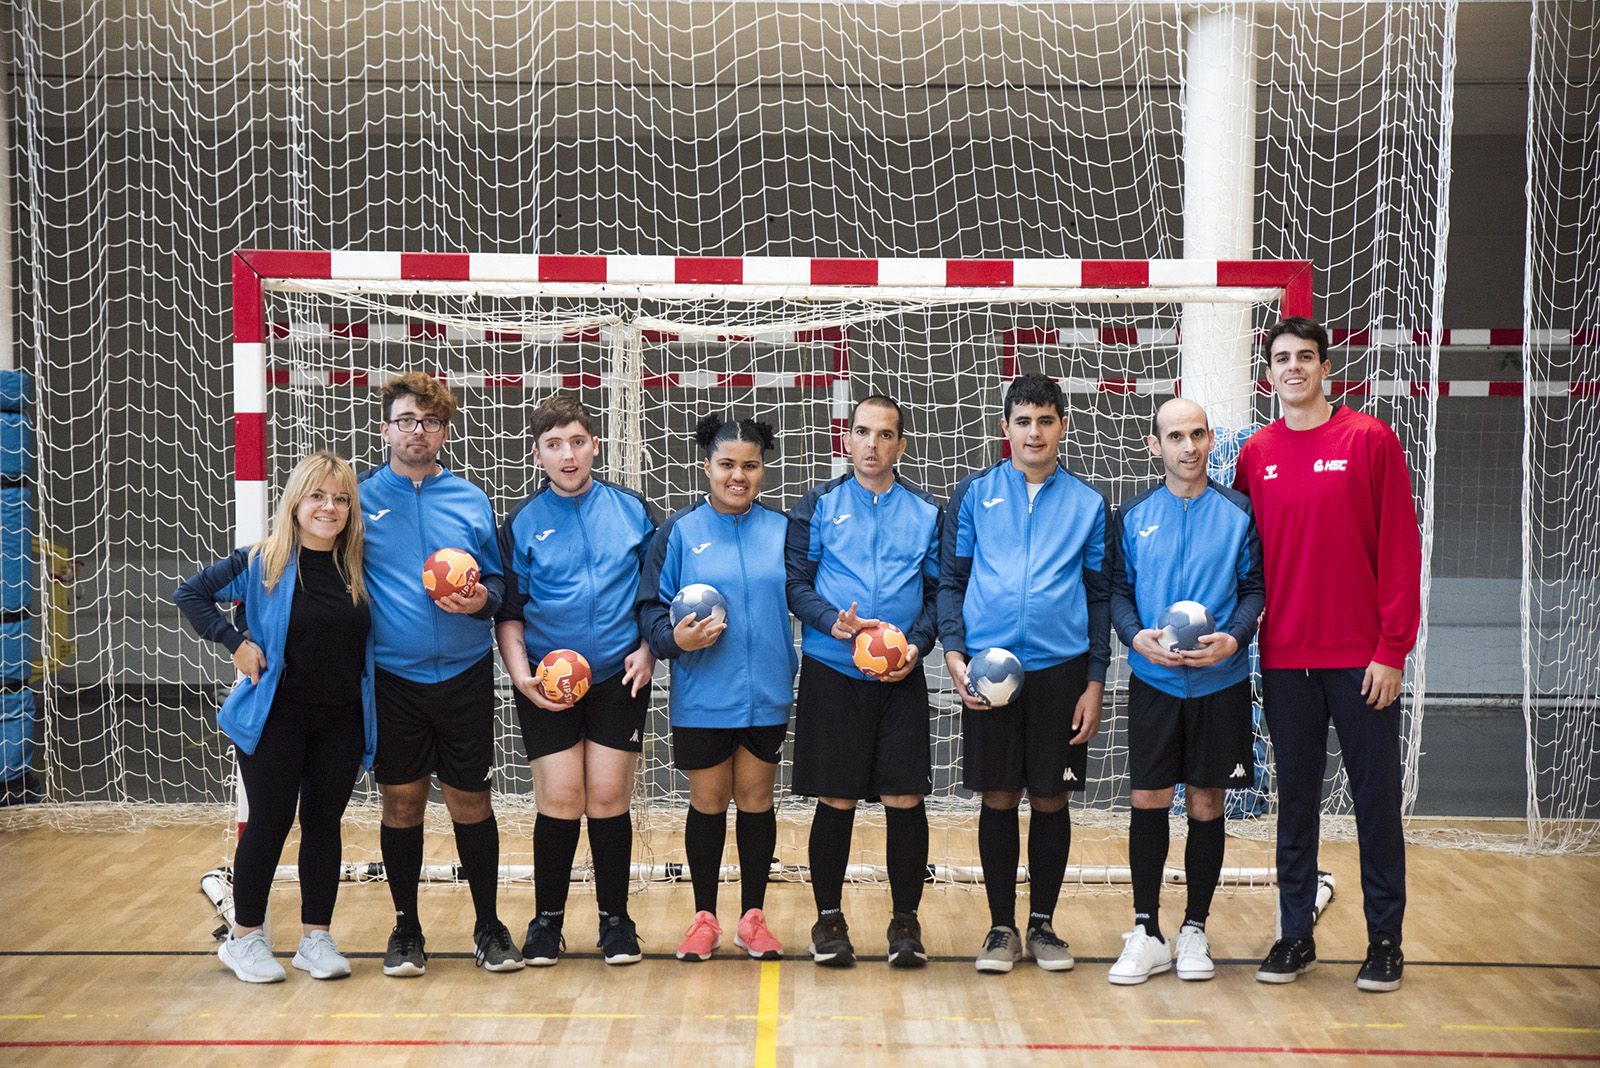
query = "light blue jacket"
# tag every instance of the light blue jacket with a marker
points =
(747, 678)
(405, 524)
(238, 577)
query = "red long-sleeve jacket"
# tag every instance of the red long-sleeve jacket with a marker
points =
(1339, 535)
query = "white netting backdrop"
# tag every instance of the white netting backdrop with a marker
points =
(150, 147)
(1561, 602)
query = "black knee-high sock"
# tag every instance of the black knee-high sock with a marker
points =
(1049, 842)
(757, 834)
(704, 834)
(906, 837)
(999, 848)
(478, 846)
(611, 845)
(1147, 858)
(555, 843)
(402, 866)
(830, 854)
(1202, 866)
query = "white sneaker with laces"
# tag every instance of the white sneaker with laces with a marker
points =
(1142, 957)
(321, 957)
(1194, 954)
(251, 958)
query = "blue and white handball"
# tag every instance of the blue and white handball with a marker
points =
(703, 600)
(994, 676)
(1183, 624)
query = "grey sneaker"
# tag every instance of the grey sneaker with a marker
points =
(1194, 954)
(1002, 948)
(407, 954)
(321, 957)
(493, 950)
(1047, 949)
(251, 958)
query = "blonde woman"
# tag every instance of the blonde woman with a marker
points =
(301, 717)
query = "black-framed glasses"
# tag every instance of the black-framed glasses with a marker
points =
(408, 423)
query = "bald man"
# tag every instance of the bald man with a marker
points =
(1184, 539)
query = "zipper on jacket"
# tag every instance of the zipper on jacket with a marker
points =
(1027, 569)
(422, 539)
(749, 628)
(877, 597)
(1183, 580)
(588, 553)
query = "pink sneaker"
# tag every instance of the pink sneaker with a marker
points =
(754, 938)
(701, 939)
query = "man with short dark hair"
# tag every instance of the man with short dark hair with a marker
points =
(862, 549)
(1022, 567)
(1333, 501)
(435, 667)
(1183, 539)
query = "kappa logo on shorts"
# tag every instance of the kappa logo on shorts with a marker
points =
(698, 549)
(1272, 473)
(1147, 531)
(992, 501)
(375, 516)
(840, 518)
(544, 534)
(1237, 772)
(635, 737)
(1068, 776)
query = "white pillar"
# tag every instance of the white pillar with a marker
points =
(8, 342)
(1219, 158)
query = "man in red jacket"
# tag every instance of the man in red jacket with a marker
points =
(1343, 555)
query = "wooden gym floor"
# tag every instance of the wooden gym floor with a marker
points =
(106, 957)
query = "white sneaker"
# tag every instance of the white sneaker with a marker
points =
(319, 956)
(251, 958)
(1194, 954)
(1142, 957)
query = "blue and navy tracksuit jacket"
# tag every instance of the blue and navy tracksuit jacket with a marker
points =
(878, 550)
(572, 572)
(405, 524)
(239, 577)
(1028, 577)
(746, 679)
(1166, 548)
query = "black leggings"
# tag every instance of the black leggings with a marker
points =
(309, 756)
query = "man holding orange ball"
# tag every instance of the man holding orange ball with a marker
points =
(572, 553)
(863, 552)
(435, 666)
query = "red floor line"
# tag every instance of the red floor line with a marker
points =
(1075, 1047)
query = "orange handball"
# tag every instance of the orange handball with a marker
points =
(563, 675)
(449, 571)
(881, 649)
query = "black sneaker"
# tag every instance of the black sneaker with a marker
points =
(619, 940)
(1288, 960)
(493, 949)
(1384, 967)
(544, 943)
(407, 954)
(830, 941)
(905, 941)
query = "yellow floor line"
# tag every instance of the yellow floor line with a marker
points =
(767, 1017)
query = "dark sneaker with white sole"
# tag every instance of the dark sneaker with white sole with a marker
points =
(830, 941)
(1384, 967)
(905, 941)
(493, 950)
(619, 940)
(407, 954)
(1288, 960)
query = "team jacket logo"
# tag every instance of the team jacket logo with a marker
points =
(841, 518)
(544, 534)
(992, 501)
(1329, 465)
(375, 516)
(1237, 772)
(1147, 531)
(702, 547)
(1272, 473)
